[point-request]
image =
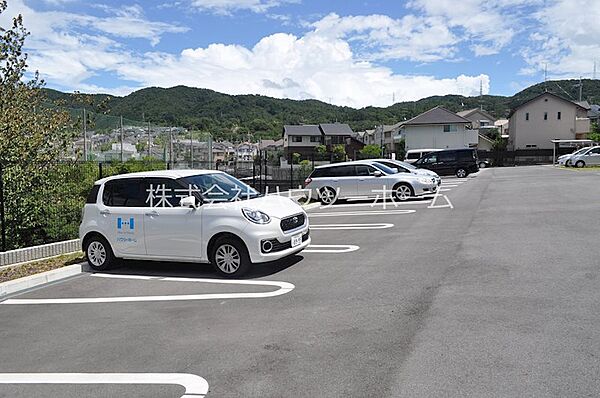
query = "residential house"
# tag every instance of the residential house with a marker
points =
(223, 151)
(246, 151)
(387, 135)
(479, 118)
(303, 139)
(438, 128)
(534, 123)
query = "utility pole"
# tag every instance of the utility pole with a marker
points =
(594, 70)
(382, 147)
(149, 141)
(580, 88)
(85, 154)
(171, 146)
(191, 149)
(122, 139)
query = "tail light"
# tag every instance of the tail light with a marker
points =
(307, 181)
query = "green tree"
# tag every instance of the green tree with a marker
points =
(321, 149)
(594, 134)
(296, 158)
(32, 138)
(339, 151)
(370, 151)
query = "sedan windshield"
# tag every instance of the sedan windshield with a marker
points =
(384, 168)
(220, 187)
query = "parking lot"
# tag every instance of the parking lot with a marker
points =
(492, 291)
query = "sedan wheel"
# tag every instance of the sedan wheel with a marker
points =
(580, 164)
(568, 163)
(403, 192)
(482, 165)
(227, 258)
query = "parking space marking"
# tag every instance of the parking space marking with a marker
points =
(330, 248)
(350, 226)
(449, 185)
(195, 386)
(373, 204)
(444, 190)
(284, 287)
(361, 213)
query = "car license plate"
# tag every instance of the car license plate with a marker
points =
(296, 240)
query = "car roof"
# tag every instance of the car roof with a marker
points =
(158, 173)
(423, 150)
(351, 163)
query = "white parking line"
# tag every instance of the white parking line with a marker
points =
(195, 386)
(449, 185)
(388, 203)
(350, 226)
(444, 190)
(330, 248)
(360, 213)
(284, 287)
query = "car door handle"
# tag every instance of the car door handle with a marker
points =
(104, 212)
(152, 214)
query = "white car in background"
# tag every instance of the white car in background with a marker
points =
(404, 167)
(189, 216)
(412, 155)
(589, 157)
(366, 179)
(565, 160)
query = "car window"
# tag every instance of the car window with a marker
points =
(163, 192)
(343, 171)
(319, 173)
(449, 156)
(219, 187)
(431, 158)
(595, 151)
(126, 192)
(364, 170)
(93, 195)
(466, 155)
(413, 155)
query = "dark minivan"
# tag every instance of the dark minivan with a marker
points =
(460, 162)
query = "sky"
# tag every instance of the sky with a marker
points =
(344, 52)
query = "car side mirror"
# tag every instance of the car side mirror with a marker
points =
(377, 173)
(189, 201)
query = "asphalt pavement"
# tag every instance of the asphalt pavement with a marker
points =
(492, 293)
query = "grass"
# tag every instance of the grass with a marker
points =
(38, 266)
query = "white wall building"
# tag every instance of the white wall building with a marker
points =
(439, 128)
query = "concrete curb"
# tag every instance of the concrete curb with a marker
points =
(28, 282)
(28, 254)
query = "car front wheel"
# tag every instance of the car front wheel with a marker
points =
(461, 173)
(230, 257)
(568, 163)
(482, 165)
(99, 253)
(403, 192)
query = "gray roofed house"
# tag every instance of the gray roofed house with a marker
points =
(438, 128)
(304, 138)
(301, 129)
(437, 115)
(336, 129)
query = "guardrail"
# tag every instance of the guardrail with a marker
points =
(37, 252)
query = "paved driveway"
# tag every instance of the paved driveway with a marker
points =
(497, 295)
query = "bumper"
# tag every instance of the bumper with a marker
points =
(426, 189)
(257, 255)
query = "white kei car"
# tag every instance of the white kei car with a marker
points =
(189, 216)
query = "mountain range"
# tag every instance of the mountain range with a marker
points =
(237, 117)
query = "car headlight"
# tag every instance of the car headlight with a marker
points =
(426, 180)
(256, 216)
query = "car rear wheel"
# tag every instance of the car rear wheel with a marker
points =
(327, 195)
(230, 257)
(99, 254)
(461, 173)
(482, 165)
(403, 192)
(580, 164)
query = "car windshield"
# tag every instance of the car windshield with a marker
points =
(580, 151)
(406, 165)
(384, 168)
(220, 187)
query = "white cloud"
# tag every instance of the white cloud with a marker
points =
(381, 37)
(567, 39)
(321, 64)
(226, 7)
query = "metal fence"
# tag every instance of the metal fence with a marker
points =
(42, 203)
